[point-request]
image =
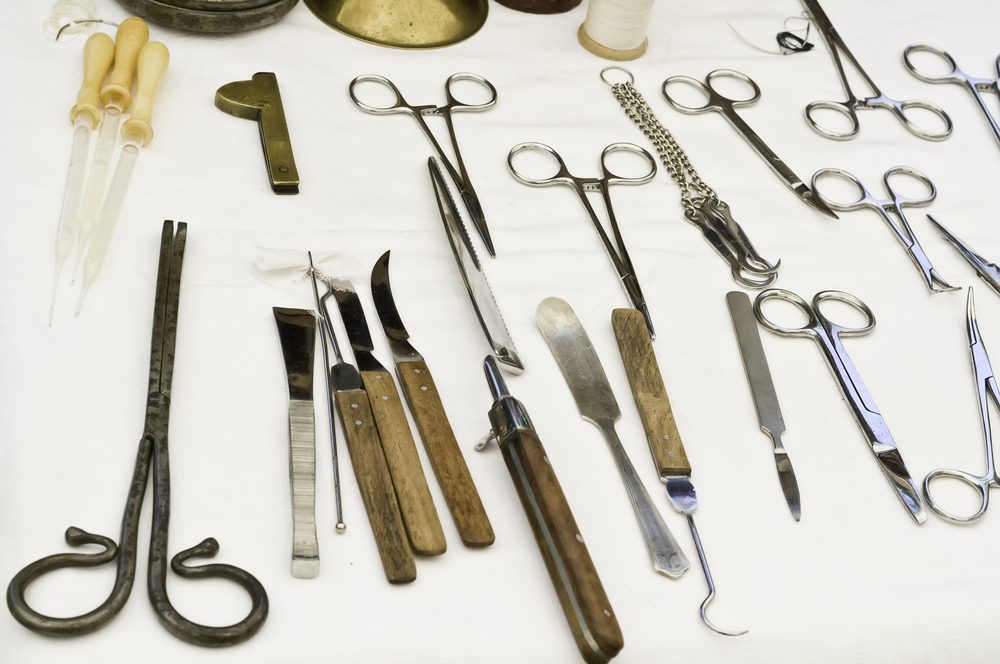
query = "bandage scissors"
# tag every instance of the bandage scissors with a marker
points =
(716, 101)
(878, 100)
(956, 75)
(453, 105)
(152, 457)
(986, 384)
(828, 335)
(894, 204)
(617, 251)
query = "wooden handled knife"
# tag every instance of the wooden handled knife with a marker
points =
(422, 395)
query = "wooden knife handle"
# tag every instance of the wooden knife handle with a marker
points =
(376, 485)
(649, 393)
(412, 493)
(446, 458)
(581, 594)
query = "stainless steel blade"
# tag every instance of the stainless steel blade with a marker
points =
(762, 388)
(472, 272)
(385, 306)
(353, 315)
(581, 367)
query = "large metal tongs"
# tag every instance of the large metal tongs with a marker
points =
(152, 457)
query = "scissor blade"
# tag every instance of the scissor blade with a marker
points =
(479, 220)
(988, 272)
(891, 463)
(810, 197)
(475, 281)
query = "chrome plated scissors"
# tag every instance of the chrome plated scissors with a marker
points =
(453, 105)
(988, 272)
(894, 204)
(956, 75)
(878, 100)
(617, 251)
(153, 457)
(986, 384)
(828, 335)
(716, 101)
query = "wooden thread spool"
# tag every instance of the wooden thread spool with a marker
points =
(616, 29)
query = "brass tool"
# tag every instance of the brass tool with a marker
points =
(297, 333)
(259, 100)
(425, 403)
(409, 24)
(567, 559)
(664, 439)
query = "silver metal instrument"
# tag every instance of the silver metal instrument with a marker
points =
(460, 176)
(765, 400)
(956, 75)
(719, 103)
(580, 366)
(325, 335)
(853, 104)
(828, 335)
(472, 272)
(989, 272)
(986, 384)
(617, 251)
(894, 205)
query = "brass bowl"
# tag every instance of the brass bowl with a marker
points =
(403, 23)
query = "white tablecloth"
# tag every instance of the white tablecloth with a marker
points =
(856, 580)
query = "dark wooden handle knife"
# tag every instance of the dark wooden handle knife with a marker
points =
(649, 393)
(566, 557)
(375, 484)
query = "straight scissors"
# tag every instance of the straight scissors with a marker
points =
(460, 176)
(828, 335)
(153, 457)
(716, 101)
(878, 100)
(956, 75)
(894, 204)
(986, 384)
(617, 251)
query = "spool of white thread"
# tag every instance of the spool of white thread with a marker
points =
(616, 29)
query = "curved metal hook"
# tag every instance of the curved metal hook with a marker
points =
(82, 20)
(711, 584)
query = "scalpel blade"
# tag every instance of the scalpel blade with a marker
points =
(472, 272)
(765, 400)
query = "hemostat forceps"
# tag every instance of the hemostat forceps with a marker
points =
(152, 457)
(616, 252)
(986, 384)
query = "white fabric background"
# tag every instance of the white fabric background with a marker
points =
(856, 580)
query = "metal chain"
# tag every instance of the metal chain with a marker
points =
(671, 154)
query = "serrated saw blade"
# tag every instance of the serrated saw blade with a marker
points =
(472, 272)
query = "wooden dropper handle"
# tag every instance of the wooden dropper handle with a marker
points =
(132, 35)
(97, 55)
(153, 61)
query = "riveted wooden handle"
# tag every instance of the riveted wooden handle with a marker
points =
(412, 493)
(571, 569)
(153, 61)
(97, 55)
(375, 484)
(132, 35)
(649, 393)
(446, 458)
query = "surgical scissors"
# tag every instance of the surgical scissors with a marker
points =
(617, 251)
(828, 335)
(894, 204)
(152, 457)
(878, 100)
(986, 384)
(716, 101)
(453, 105)
(956, 75)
